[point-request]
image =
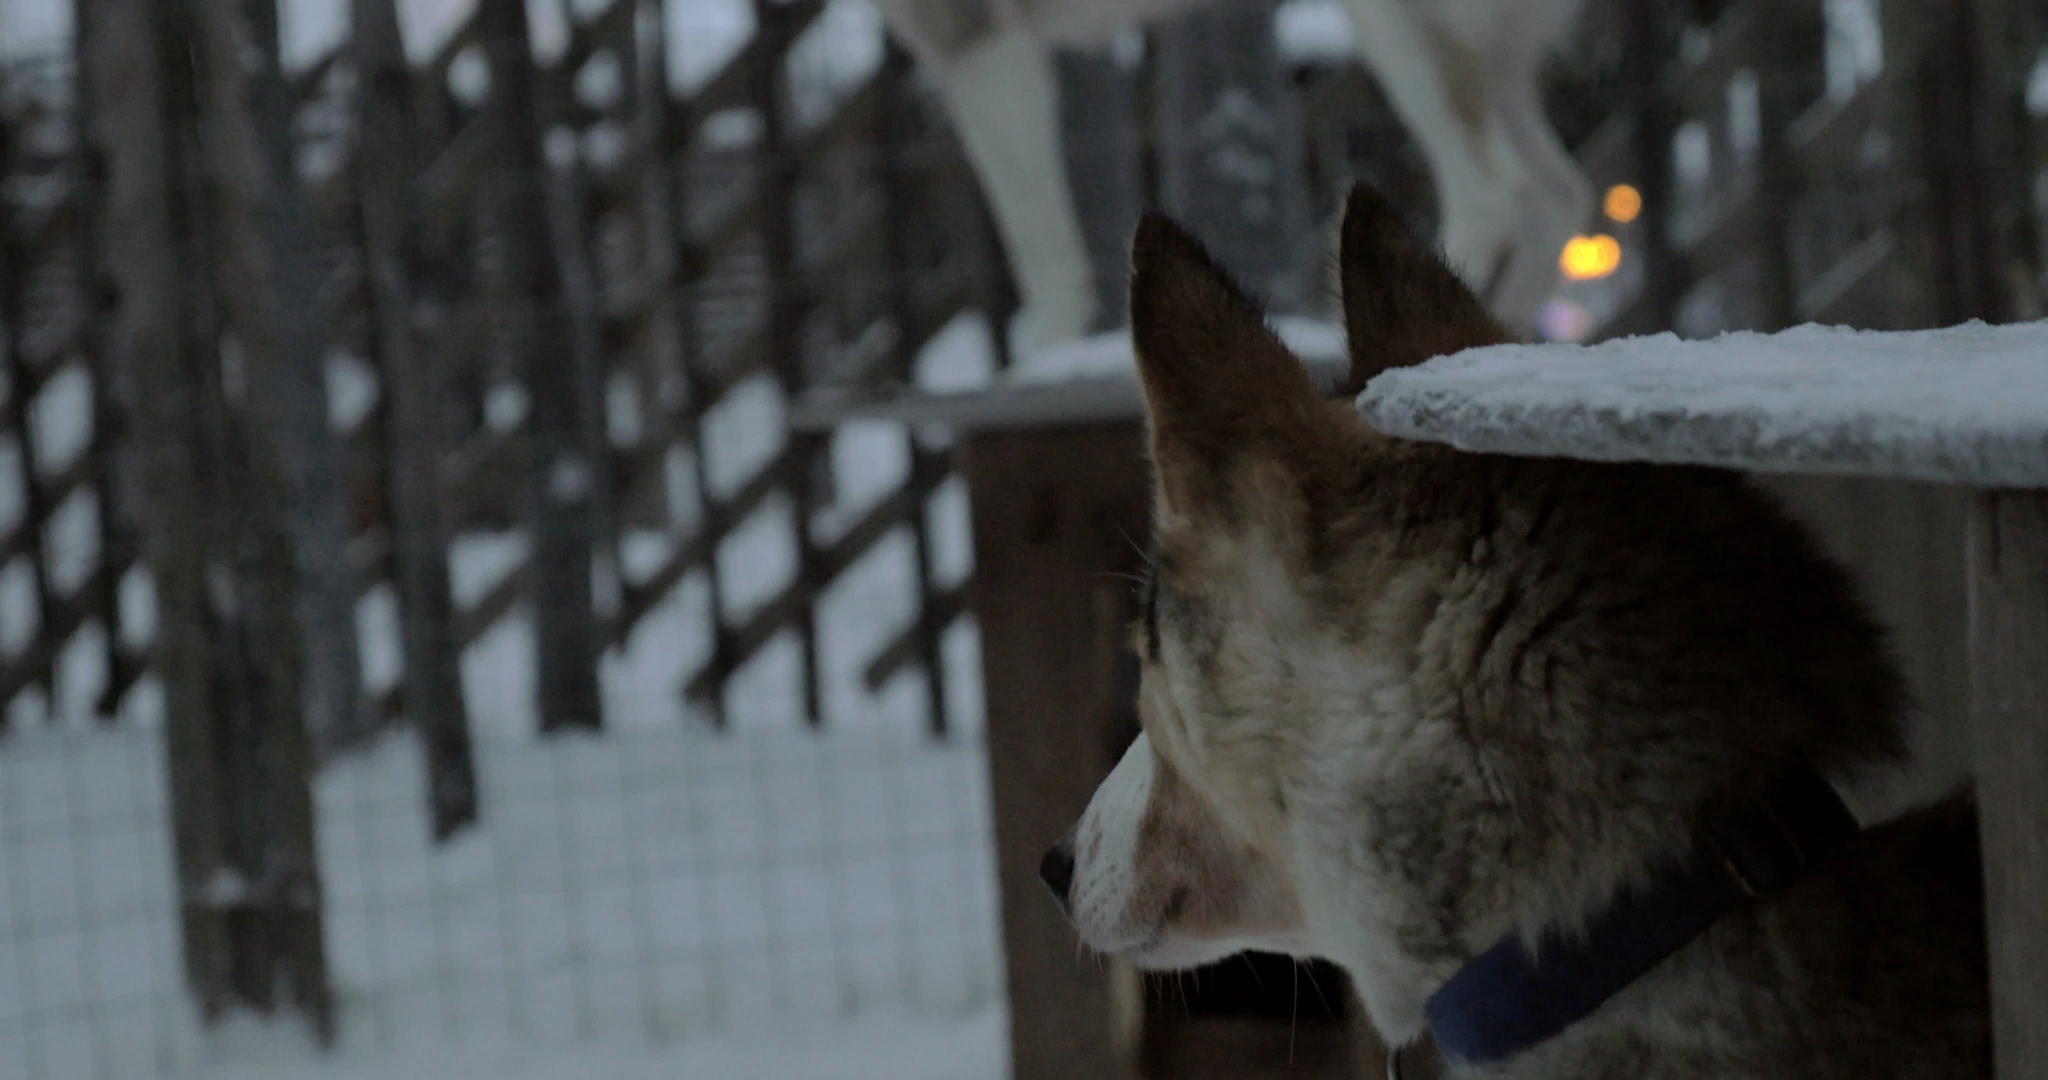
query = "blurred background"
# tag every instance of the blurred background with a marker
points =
(487, 578)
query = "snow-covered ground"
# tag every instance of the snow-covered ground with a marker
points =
(898, 1048)
(659, 898)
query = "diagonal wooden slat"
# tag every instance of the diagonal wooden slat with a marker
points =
(778, 613)
(719, 520)
(61, 621)
(943, 608)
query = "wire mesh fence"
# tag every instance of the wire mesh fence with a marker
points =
(778, 207)
(641, 887)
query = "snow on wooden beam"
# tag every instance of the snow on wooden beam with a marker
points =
(1967, 404)
(1090, 381)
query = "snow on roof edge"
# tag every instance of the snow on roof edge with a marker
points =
(1964, 404)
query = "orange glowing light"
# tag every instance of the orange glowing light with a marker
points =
(1623, 203)
(1585, 258)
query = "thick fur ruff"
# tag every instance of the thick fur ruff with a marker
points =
(1400, 701)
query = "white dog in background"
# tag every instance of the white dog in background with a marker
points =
(1462, 74)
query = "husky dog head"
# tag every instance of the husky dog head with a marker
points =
(1399, 701)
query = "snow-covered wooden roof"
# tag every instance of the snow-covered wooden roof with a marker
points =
(1967, 404)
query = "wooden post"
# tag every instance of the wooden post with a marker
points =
(1913, 297)
(776, 166)
(149, 244)
(560, 475)
(399, 278)
(117, 542)
(21, 420)
(1792, 55)
(1220, 102)
(1054, 517)
(227, 647)
(680, 390)
(273, 923)
(279, 324)
(574, 221)
(1647, 27)
(2008, 570)
(579, 220)
(2007, 37)
(1962, 186)
(892, 147)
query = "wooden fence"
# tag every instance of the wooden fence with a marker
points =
(1805, 182)
(188, 243)
(684, 265)
(503, 256)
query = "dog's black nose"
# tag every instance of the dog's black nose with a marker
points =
(1057, 871)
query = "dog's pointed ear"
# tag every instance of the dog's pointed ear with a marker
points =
(1218, 382)
(1402, 304)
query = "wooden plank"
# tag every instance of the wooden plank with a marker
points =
(2004, 40)
(776, 165)
(66, 616)
(733, 84)
(794, 603)
(899, 292)
(434, 73)
(744, 218)
(611, 28)
(412, 453)
(62, 618)
(674, 343)
(264, 740)
(55, 490)
(240, 802)
(941, 608)
(576, 222)
(98, 312)
(29, 381)
(1698, 87)
(2008, 575)
(717, 517)
(1817, 144)
(149, 248)
(1851, 292)
(1053, 512)
(453, 176)
(272, 295)
(695, 257)
(51, 231)
(23, 380)
(308, 79)
(559, 471)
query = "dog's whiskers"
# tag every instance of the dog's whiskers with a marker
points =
(1316, 986)
(1293, 1007)
(1144, 556)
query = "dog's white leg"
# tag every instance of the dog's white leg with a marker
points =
(1466, 88)
(1005, 106)
(1466, 159)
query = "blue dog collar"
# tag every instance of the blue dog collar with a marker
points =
(1506, 1000)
